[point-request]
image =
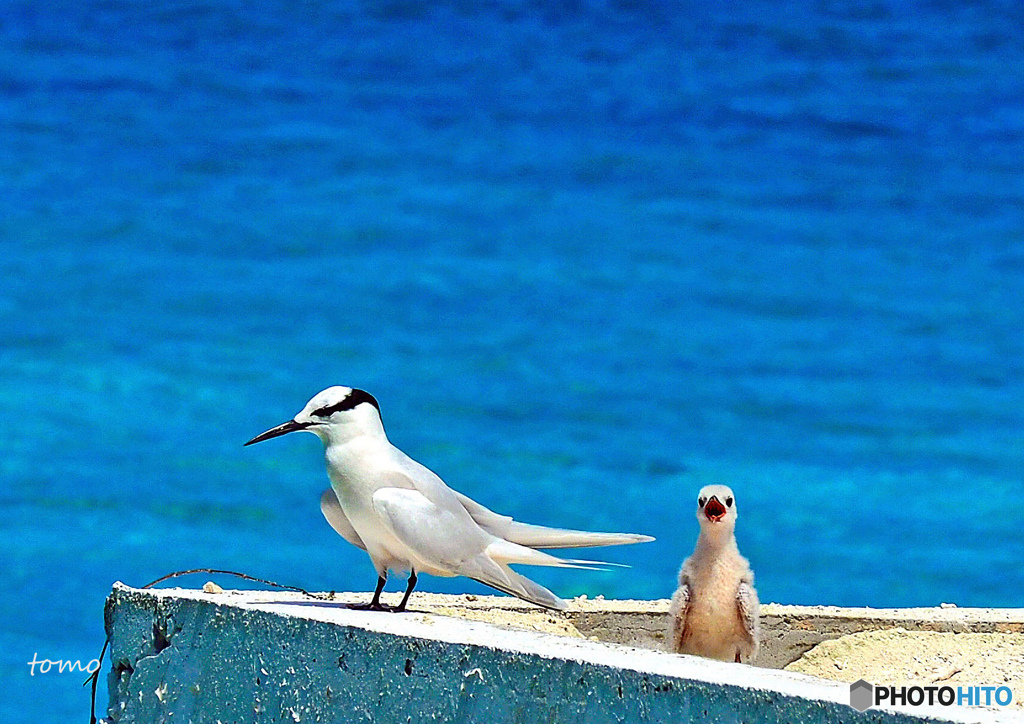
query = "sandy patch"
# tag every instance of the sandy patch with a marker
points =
(898, 657)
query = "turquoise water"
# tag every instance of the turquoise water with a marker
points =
(588, 256)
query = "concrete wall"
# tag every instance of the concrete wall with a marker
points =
(255, 656)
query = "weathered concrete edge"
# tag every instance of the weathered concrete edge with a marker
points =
(169, 648)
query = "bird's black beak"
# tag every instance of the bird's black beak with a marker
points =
(290, 426)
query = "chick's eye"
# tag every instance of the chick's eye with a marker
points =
(701, 501)
(728, 501)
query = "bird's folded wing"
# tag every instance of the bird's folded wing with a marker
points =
(440, 536)
(749, 610)
(411, 474)
(451, 541)
(331, 509)
(538, 536)
(681, 600)
(678, 611)
(484, 570)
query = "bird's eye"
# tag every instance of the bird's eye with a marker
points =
(701, 501)
(728, 501)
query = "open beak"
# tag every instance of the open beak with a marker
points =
(290, 426)
(713, 509)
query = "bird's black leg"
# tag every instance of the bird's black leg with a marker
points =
(374, 604)
(408, 592)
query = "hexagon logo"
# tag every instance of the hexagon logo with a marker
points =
(861, 695)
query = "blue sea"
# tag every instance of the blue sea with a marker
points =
(589, 255)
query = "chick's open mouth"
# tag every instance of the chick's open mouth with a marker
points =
(714, 510)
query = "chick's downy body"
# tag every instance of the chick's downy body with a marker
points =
(715, 611)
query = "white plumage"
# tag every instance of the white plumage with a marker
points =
(407, 519)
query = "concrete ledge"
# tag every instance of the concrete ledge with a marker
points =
(257, 656)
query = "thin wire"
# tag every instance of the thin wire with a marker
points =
(95, 676)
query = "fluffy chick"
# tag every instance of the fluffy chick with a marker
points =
(715, 611)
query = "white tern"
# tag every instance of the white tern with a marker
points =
(407, 519)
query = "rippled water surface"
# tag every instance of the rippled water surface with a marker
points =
(588, 256)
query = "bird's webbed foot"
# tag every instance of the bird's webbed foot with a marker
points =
(376, 605)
